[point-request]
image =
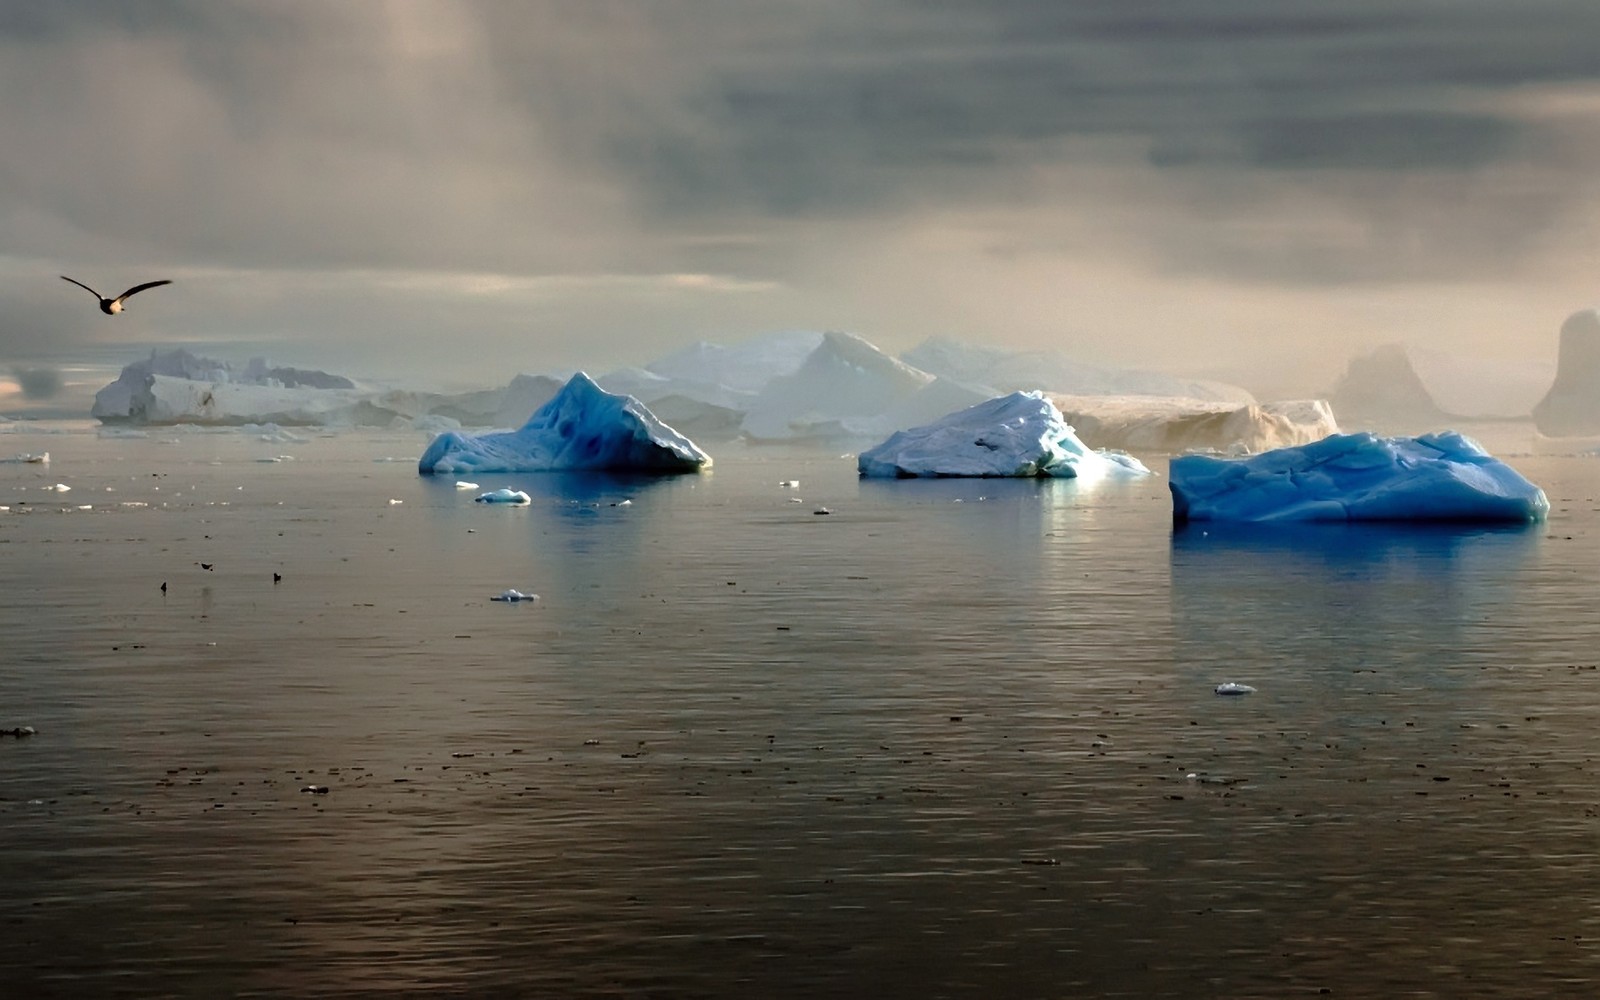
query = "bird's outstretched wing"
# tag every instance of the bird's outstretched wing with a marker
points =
(86, 287)
(140, 288)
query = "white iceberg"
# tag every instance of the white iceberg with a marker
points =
(582, 428)
(1175, 424)
(504, 495)
(844, 377)
(1019, 435)
(1357, 477)
(177, 387)
(513, 596)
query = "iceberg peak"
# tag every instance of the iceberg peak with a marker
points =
(582, 428)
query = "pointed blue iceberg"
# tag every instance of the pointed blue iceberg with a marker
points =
(582, 428)
(1357, 477)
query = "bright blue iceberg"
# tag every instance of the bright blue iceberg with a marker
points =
(582, 428)
(1022, 434)
(1357, 477)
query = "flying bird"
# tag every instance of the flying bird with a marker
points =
(113, 306)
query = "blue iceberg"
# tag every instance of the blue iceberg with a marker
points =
(1357, 477)
(1021, 435)
(582, 428)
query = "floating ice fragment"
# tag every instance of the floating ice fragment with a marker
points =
(792, 484)
(513, 595)
(822, 510)
(1229, 687)
(462, 484)
(504, 495)
(60, 488)
(393, 501)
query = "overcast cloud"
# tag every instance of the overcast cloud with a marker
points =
(480, 188)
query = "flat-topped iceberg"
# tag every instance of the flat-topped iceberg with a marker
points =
(1019, 435)
(1172, 424)
(582, 428)
(1357, 477)
(176, 387)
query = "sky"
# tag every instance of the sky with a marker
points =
(464, 190)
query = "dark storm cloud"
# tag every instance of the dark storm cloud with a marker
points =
(782, 144)
(836, 113)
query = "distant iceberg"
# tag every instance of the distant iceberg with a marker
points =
(176, 387)
(746, 367)
(1175, 424)
(1357, 477)
(1572, 406)
(845, 377)
(1008, 370)
(582, 428)
(1019, 435)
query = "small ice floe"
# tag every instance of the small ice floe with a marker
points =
(623, 503)
(791, 484)
(1230, 688)
(504, 495)
(822, 510)
(513, 596)
(133, 503)
(393, 502)
(1201, 778)
(60, 488)
(462, 484)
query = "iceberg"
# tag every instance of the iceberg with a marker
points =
(504, 495)
(1054, 372)
(176, 387)
(1175, 424)
(1572, 406)
(844, 378)
(1356, 477)
(1383, 388)
(582, 428)
(1019, 435)
(746, 367)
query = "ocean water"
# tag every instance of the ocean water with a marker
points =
(951, 739)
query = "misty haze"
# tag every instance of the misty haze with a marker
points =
(833, 499)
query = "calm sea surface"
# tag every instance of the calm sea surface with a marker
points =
(955, 738)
